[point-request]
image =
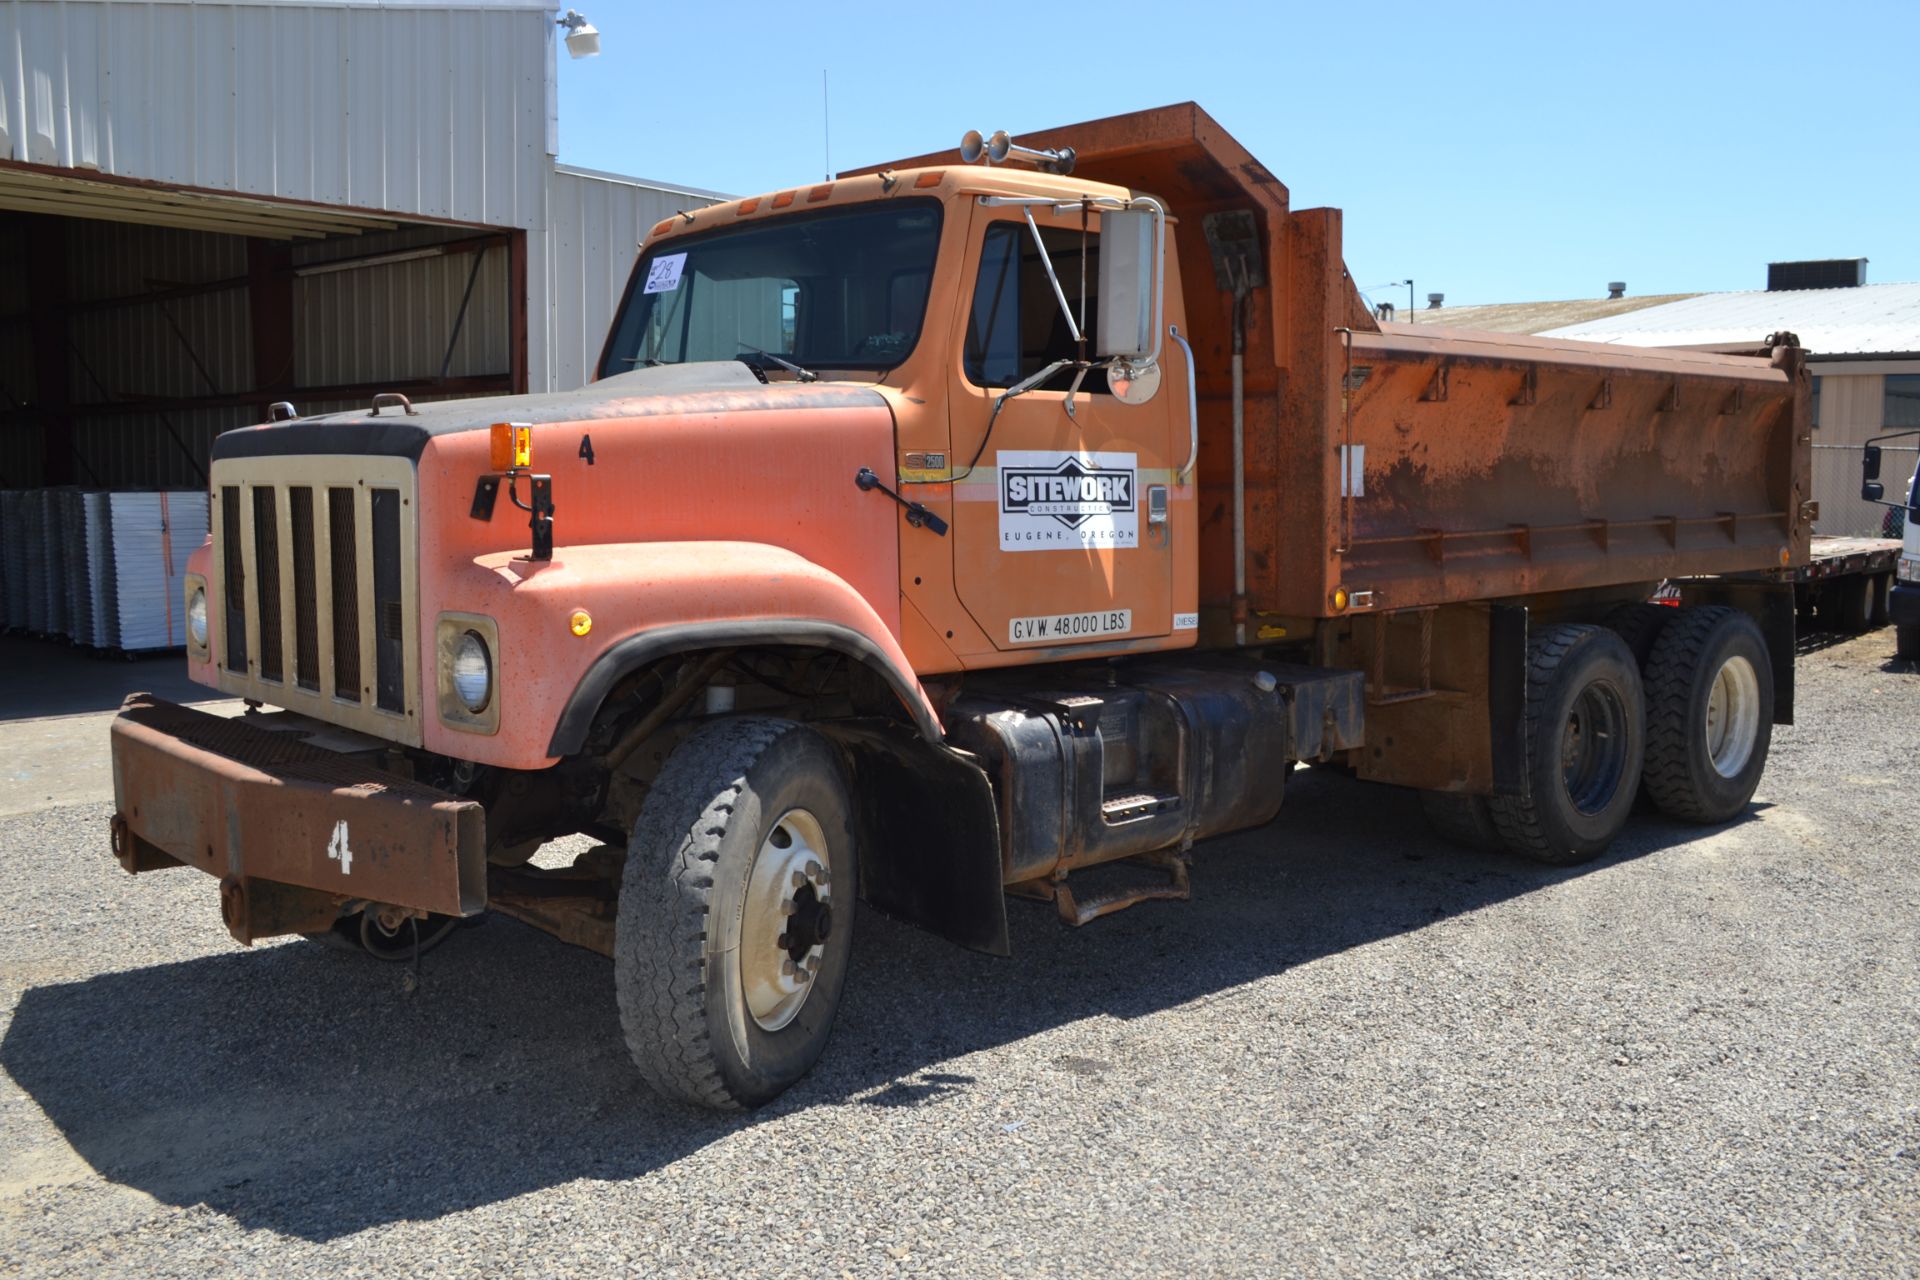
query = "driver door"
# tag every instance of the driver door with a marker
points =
(1060, 537)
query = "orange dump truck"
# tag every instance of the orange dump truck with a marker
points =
(932, 534)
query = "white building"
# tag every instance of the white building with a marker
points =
(209, 207)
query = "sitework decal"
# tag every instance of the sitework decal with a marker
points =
(1053, 501)
(1065, 628)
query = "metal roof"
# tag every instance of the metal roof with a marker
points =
(1535, 317)
(1871, 319)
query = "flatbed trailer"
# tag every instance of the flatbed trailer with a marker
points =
(1846, 582)
(935, 533)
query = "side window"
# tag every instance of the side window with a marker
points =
(1016, 327)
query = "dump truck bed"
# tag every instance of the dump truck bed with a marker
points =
(1500, 466)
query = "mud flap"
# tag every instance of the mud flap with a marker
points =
(929, 834)
(1507, 697)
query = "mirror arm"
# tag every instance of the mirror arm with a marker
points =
(1059, 294)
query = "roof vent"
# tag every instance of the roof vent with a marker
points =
(1616, 288)
(1435, 301)
(1828, 273)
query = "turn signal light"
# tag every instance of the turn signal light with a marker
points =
(581, 622)
(512, 444)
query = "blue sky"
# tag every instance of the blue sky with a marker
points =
(1494, 152)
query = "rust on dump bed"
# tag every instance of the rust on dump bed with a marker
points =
(1493, 465)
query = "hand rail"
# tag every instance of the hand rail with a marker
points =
(1193, 409)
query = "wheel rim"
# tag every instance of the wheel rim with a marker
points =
(788, 919)
(1592, 747)
(1733, 716)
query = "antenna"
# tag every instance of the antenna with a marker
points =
(826, 129)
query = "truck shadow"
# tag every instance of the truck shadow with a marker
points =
(306, 1092)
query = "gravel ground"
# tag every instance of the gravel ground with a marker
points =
(1356, 1052)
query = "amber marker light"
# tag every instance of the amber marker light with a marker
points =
(1340, 597)
(580, 623)
(511, 445)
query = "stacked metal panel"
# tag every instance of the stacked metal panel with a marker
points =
(96, 515)
(13, 556)
(34, 536)
(150, 536)
(101, 569)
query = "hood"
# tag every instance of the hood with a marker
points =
(711, 387)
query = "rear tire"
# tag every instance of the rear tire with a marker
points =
(721, 910)
(1462, 819)
(1640, 625)
(1585, 728)
(1709, 714)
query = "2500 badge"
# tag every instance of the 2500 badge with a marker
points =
(1051, 501)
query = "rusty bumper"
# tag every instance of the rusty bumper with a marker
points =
(295, 833)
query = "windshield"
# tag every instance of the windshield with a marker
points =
(838, 289)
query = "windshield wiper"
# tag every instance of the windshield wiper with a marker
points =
(805, 375)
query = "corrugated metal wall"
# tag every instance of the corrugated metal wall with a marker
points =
(595, 225)
(329, 103)
(1852, 408)
(393, 320)
(169, 349)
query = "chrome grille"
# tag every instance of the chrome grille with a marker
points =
(346, 595)
(316, 557)
(306, 594)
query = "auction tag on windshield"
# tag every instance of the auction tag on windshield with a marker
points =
(664, 275)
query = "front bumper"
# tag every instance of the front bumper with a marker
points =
(295, 832)
(1903, 604)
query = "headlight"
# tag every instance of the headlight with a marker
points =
(197, 618)
(473, 672)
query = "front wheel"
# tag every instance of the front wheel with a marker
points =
(736, 913)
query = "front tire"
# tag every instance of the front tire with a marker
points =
(1585, 727)
(736, 913)
(1906, 641)
(1709, 714)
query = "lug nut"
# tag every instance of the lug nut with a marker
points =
(788, 968)
(799, 879)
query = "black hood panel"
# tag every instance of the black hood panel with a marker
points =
(712, 387)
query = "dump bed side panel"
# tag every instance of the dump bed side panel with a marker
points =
(1498, 466)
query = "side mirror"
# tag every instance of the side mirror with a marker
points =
(1870, 488)
(1129, 278)
(1873, 491)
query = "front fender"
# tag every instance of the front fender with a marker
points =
(646, 600)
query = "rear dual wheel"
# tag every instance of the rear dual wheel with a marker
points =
(1584, 730)
(1709, 688)
(1585, 737)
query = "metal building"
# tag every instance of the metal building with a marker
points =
(206, 208)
